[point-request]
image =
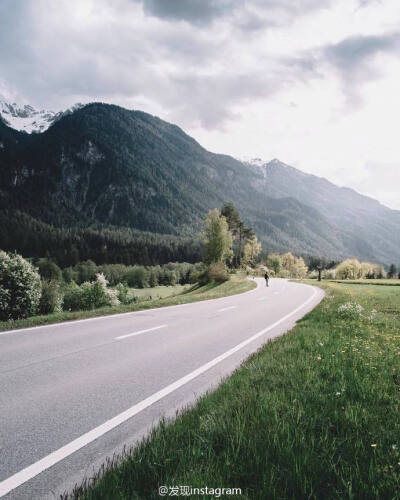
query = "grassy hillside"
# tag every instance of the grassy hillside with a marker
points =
(314, 414)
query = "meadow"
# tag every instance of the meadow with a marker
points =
(313, 414)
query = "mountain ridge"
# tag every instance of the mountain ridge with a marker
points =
(103, 164)
(25, 118)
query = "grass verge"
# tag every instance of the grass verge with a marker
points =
(386, 282)
(314, 414)
(183, 295)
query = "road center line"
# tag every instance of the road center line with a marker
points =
(226, 309)
(48, 461)
(139, 332)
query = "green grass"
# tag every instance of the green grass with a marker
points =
(160, 292)
(313, 414)
(390, 282)
(170, 295)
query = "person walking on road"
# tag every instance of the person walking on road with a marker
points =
(266, 276)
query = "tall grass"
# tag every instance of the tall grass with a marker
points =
(314, 414)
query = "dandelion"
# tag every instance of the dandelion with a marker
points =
(319, 358)
(374, 445)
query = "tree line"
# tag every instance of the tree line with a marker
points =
(23, 234)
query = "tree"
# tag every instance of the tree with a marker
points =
(349, 269)
(49, 270)
(293, 266)
(392, 271)
(20, 287)
(231, 215)
(237, 228)
(218, 238)
(252, 250)
(274, 262)
(300, 269)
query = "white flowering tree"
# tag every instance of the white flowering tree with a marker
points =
(20, 287)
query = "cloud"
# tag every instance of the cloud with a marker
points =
(354, 53)
(354, 58)
(248, 15)
(124, 51)
(193, 11)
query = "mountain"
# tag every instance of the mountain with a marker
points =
(105, 166)
(27, 119)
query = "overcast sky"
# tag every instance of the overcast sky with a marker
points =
(315, 83)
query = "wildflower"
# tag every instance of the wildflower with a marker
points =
(394, 446)
(374, 445)
(319, 358)
(338, 394)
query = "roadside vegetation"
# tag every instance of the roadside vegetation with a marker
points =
(313, 414)
(147, 298)
(36, 291)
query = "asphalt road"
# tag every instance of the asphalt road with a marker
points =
(75, 393)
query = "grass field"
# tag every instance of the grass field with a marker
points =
(160, 296)
(390, 282)
(160, 292)
(314, 414)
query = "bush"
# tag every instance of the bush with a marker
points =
(73, 297)
(49, 270)
(20, 287)
(137, 277)
(51, 298)
(90, 295)
(125, 294)
(68, 274)
(85, 271)
(114, 273)
(217, 272)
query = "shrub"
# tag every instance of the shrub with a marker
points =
(137, 277)
(125, 294)
(68, 274)
(20, 287)
(51, 298)
(90, 295)
(73, 297)
(110, 295)
(351, 310)
(49, 270)
(114, 273)
(85, 271)
(217, 272)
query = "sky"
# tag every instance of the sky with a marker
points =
(315, 83)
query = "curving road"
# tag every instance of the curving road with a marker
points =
(74, 393)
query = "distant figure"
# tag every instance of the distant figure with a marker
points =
(266, 276)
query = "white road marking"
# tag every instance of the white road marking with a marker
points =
(139, 332)
(226, 309)
(33, 470)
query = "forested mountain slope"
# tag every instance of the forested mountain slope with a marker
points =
(104, 166)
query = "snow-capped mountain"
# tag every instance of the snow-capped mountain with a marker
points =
(258, 162)
(25, 118)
